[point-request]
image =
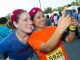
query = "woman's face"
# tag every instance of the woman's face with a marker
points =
(39, 20)
(24, 23)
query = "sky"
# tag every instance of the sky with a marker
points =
(7, 6)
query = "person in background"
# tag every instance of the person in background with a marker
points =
(74, 14)
(15, 43)
(55, 19)
(78, 28)
(4, 30)
(71, 29)
(48, 21)
(73, 25)
(60, 14)
(46, 40)
(52, 17)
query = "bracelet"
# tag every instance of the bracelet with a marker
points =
(72, 29)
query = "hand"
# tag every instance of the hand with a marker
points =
(64, 22)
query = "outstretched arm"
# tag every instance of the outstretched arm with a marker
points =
(63, 23)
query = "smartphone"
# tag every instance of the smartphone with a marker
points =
(68, 12)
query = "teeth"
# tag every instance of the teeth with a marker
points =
(42, 22)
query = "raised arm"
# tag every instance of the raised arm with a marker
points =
(63, 23)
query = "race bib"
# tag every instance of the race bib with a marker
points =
(55, 55)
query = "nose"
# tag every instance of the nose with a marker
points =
(42, 19)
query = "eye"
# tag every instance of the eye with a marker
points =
(43, 16)
(38, 17)
(25, 19)
(29, 18)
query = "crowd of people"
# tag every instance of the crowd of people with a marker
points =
(53, 18)
(33, 36)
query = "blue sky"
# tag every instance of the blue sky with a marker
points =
(7, 6)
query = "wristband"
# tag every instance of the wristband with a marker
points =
(72, 29)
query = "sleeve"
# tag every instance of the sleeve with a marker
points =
(35, 44)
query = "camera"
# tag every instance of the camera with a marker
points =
(71, 13)
(68, 12)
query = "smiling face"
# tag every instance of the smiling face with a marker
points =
(24, 23)
(39, 20)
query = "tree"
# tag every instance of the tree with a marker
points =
(76, 2)
(58, 9)
(8, 16)
(48, 10)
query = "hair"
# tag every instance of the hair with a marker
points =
(55, 14)
(74, 10)
(3, 20)
(32, 17)
(18, 16)
(47, 16)
(78, 10)
(33, 12)
(15, 18)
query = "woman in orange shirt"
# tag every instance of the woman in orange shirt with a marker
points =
(46, 41)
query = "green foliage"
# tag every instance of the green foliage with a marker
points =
(58, 9)
(48, 10)
(8, 16)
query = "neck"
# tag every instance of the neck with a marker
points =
(39, 29)
(21, 35)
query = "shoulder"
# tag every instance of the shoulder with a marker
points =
(11, 35)
(33, 35)
(50, 28)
